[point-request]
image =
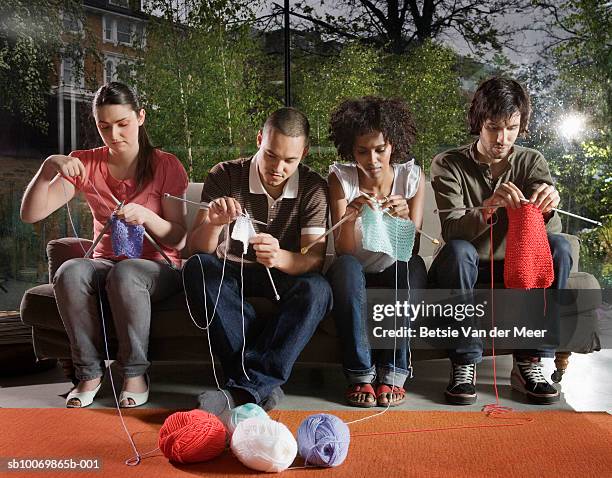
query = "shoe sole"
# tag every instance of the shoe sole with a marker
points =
(460, 399)
(517, 386)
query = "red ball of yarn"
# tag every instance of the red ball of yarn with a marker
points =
(528, 263)
(190, 437)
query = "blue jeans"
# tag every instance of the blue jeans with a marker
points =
(272, 343)
(457, 266)
(349, 282)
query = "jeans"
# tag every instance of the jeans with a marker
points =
(457, 266)
(272, 344)
(128, 287)
(349, 282)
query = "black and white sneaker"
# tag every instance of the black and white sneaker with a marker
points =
(461, 388)
(527, 378)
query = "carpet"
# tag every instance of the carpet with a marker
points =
(553, 443)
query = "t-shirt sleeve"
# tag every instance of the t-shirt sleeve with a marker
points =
(217, 183)
(175, 177)
(313, 217)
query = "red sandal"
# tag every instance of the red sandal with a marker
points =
(382, 389)
(360, 388)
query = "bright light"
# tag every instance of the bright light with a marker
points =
(572, 126)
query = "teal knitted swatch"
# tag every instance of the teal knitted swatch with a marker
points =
(382, 233)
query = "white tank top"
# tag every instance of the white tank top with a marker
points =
(406, 180)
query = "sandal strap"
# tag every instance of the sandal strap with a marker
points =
(360, 388)
(384, 388)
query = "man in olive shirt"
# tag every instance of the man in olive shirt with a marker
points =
(493, 172)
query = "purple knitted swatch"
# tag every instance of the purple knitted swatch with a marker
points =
(127, 239)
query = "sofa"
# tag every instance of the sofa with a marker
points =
(175, 338)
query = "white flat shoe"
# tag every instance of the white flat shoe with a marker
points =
(86, 398)
(139, 398)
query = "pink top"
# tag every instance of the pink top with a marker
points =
(169, 176)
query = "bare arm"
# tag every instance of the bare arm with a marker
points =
(48, 191)
(270, 254)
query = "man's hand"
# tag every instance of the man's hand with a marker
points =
(506, 195)
(223, 211)
(545, 198)
(398, 206)
(135, 214)
(267, 249)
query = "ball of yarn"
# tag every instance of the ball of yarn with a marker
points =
(244, 412)
(264, 445)
(323, 440)
(190, 437)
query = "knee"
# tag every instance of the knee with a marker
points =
(124, 276)
(345, 269)
(200, 262)
(559, 246)
(73, 272)
(459, 252)
(314, 287)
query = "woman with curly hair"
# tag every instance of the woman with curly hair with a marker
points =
(374, 136)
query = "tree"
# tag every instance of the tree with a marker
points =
(30, 44)
(398, 25)
(196, 74)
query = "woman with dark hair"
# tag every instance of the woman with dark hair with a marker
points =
(129, 170)
(374, 136)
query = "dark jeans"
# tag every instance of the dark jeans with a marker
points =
(272, 343)
(349, 282)
(457, 266)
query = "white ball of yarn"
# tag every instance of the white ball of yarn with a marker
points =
(264, 445)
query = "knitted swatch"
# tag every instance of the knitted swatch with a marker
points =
(382, 233)
(126, 238)
(528, 263)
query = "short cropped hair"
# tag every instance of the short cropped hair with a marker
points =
(498, 99)
(356, 117)
(289, 122)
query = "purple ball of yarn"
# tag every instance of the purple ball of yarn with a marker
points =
(323, 440)
(127, 239)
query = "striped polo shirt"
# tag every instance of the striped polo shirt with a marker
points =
(300, 210)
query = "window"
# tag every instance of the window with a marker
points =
(119, 3)
(71, 73)
(117, 68)
(71, 23)
(122, 31)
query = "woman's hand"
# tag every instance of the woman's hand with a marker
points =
(354, 207)
(397, 206)
(67, 166)
(135, 214)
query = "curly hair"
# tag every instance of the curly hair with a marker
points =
(356, 117)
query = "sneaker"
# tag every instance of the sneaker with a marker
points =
(461, 388)
(527, 378)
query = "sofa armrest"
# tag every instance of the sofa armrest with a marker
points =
(61, 250)
(575, 245)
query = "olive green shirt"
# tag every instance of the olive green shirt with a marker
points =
(460, 180)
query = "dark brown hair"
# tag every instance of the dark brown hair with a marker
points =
(498, 99)
(290, 122)
(356, 117)
(116, 93)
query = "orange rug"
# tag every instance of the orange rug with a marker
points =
(554, 443)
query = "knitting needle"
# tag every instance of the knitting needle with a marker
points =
(205, 205)
(305, 249)
(386, 210)
(437, 211)
(149, 238)
(106, 226)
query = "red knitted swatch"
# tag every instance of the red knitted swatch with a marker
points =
(528, 262)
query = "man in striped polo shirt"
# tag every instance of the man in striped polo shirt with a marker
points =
(274, 188)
